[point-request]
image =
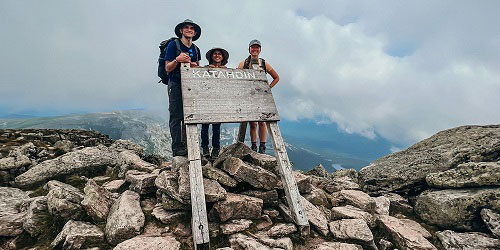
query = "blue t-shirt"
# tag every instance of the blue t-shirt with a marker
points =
(171, 54)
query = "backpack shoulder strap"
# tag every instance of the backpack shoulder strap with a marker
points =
(264, 64)
(246, 65)
(178, 45)
(196, 49)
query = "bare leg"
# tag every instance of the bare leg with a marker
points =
(262, 132)
(253, 131)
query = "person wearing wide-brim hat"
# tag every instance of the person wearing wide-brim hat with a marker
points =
(254, 62)
(181, 50)
(217, 58)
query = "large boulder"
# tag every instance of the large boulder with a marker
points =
(125, 219)
(129, 160)
(478, 241)
(218, 175)
(37, 218)
(141, 182)
(252, 174)
(355, 198)
(11, 217)
(78, 235)
(404, 236)
(456, 208)
(64, 200)
(238, 150)
(492, 221)
(337, 246)
(240, 241)
(350, 212)
(471, 174)
(315, 216)
(352, 229)
(90, 159)
(237, 206)
(447, 149)
(97, 201)
(145, 243)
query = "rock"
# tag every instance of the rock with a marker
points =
(350, 212)
(272, 213)
(238, 207)
(351, 229)
(148, 204)
(471, 174)
(238, 150)
(315, 217)
(218, 175)
(492, 220)
(339, 184)
(338, 246)
(213, 229)
(281, 230)
(114, 186)
(416, 227)
(252, 174)
(384, 245)
(90, 159)
(282, 243)
(146, 243)
(125, 218)
(11, 217)
(477, 241)
(318, 197)
(265, 161)
(178, 162)
(183, 181)
(235, 226)
(37, 217)
(122, 145)
(456, 208)
(128, 160)
(97, 201)
(168, 217)
(78, 235)
(355, 198)
(213, 191)
(264, 222)
(183, 230)
(270, 198)
(168, 203)
(403, 236)
(64, 202)
(167, 182)
(319, 171)
(141, 182)
(240, 242)
(399, 204)
(63, 146)
(447, 149)
(304, 182)
(382, 205)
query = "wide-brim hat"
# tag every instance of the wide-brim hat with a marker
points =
(224, 52)
(188, 21)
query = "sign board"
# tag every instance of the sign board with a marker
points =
(219, 95)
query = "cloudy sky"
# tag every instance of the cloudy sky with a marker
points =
(398, 70)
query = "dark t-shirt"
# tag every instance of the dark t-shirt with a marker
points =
(171, 54)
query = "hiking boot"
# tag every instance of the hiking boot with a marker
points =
(180, 152)
(215, 153)
(262, 149)
(254, 147)
(205, 151)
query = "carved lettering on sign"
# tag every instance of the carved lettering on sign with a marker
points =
(220, 74)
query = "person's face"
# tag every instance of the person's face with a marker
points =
(217, 56)
(254, 50)
(188, 31)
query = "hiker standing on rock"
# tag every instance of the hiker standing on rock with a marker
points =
(178, 51)
(217, 58)
(254, 62)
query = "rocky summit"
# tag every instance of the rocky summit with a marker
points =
(75, 189)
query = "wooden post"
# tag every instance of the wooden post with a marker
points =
(199, 223)
(289, 183)
(242, 132)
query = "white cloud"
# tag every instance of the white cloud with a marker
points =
(400, 71)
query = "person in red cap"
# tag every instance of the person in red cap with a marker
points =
(178, 51)
(254, 62)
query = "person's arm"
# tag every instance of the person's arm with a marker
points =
(240, 66)
(171, 60)
(274, 75)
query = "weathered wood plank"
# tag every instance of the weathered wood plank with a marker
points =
(242, 132)
(226, 95)
(199, 221)
(287, 178)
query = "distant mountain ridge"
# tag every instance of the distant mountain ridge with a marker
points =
(151, 131)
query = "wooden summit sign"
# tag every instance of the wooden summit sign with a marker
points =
(215, 95)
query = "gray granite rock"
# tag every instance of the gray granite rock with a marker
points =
(304, 182)
(270, 198)
(456, 241)
(64, 202)
(11, 216)
(399, 204)
(218, 175)
(235, 226)
(337, 246)
(129, 160)
(252, 174)
(90, 159)
(125, 219)
(280, 243)
(351, 229)
(114, 185)
(492, 220)
(168, 217)
(169, 203)
(382, 205)
(237, 206)
(317, 197)
(456, 208)
(238, 150)
(316, 218)
(447, 149)
(471, 174)
(404, 236)
(78, 235)
(319, 171)
(281, 230)
(265, 161)
(240, 241)
(97, 201)
(147, 243)
(340, 183)
(355, 198)
(37, 217)
(141, 182)
(350, 212)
